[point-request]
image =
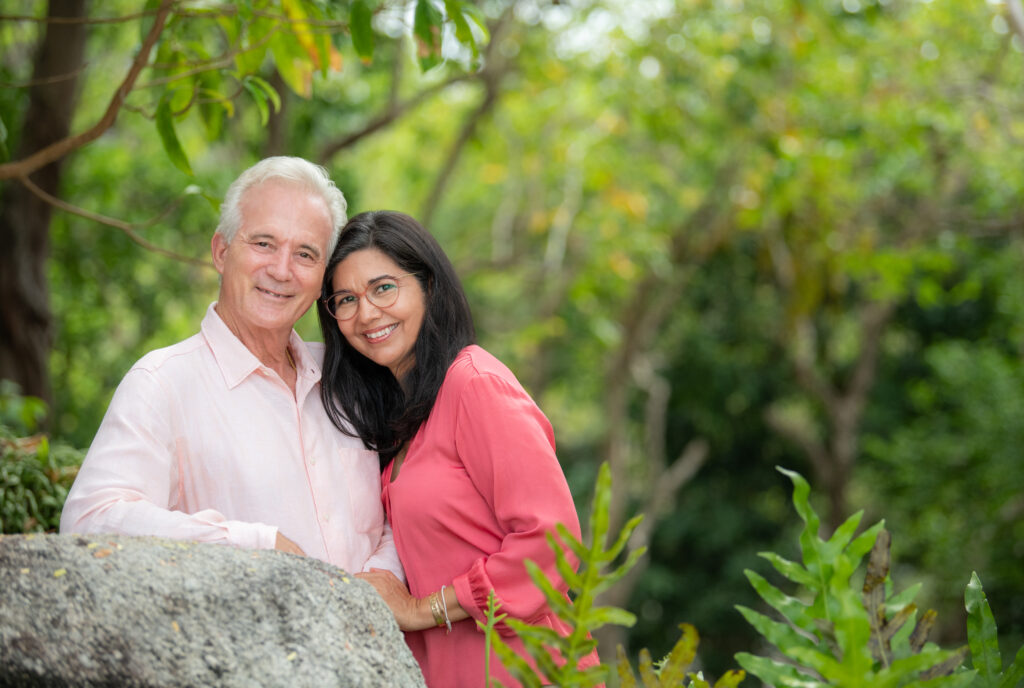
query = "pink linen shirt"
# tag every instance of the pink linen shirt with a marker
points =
(203, 442)
(478, 490)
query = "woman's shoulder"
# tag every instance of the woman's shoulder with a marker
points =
(475, 361)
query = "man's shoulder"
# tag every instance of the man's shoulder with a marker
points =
(177, 353)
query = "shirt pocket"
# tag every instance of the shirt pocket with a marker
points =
(361, 471)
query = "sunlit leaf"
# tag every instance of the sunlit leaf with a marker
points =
(982, 634)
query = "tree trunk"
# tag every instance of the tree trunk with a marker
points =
(26, 331)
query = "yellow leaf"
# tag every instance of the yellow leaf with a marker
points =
(292, 656)
(301, 28)
(59, 572)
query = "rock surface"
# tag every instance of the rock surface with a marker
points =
(105, 610)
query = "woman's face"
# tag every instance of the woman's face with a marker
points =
(384, 334)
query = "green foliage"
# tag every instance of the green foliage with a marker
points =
(555, 658)
(983, 637)
(581, 614)
(672, 669)
(835, 634)
(35, 476)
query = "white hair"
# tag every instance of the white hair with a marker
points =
(312, 177)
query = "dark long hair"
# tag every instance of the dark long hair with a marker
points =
(364, 399)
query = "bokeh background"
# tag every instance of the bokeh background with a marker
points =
(711, 237)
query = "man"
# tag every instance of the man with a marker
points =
(222, 437)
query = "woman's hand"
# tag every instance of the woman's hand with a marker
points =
(412, 614)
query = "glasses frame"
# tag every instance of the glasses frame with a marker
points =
(326, 300)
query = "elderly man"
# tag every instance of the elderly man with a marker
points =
(222, 437)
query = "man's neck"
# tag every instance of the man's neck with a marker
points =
(269, 346)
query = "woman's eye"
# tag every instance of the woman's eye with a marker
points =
(385, 287)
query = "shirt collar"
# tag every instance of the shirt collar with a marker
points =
(235, 360)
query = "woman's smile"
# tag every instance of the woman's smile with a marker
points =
(380, 334)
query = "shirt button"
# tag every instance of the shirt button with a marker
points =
(327, 518)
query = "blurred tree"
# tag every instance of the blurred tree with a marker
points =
(198, 59)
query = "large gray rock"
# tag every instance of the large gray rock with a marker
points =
(110, 610)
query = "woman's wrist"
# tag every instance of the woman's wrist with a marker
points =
(424, 613)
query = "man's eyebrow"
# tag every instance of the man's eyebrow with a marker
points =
(260, 236)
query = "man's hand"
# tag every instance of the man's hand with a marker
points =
(283, 544)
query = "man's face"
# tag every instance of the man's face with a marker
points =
(273, 268)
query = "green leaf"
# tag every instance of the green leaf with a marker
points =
(864, 542)
(462, 30)
(600, 616)
(730, 679)
(473, 12)
(790, 607)
(253, 46)
(1014, 673)
(293, 63)
(776, 673)
(169, 138)
(778, 634)
(791, 570)
(270, 91)
(427, 23)
(982, 634)
(810, 543)
(842, 536)
(627, 679)
(260, 98)
(362, 29)
(680, 657)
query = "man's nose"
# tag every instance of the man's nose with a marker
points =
(280, 265)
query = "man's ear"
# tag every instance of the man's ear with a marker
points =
(218, 249)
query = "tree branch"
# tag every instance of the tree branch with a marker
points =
(128, 229)
(392, 112)
(26, 166)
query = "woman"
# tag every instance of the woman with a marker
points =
(470, 479)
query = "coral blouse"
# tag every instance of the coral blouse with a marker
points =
(478, 489)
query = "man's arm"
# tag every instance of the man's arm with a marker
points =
(130, 477)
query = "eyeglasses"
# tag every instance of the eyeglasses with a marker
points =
(382, 293)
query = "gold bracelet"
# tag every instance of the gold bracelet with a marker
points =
(435, 609)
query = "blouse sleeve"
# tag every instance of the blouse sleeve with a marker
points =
(508, 448)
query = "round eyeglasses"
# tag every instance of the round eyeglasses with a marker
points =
(381, 292)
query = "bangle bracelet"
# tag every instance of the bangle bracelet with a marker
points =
(444, 603)
(435, 609)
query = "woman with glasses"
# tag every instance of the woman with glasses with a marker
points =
(470, 479)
